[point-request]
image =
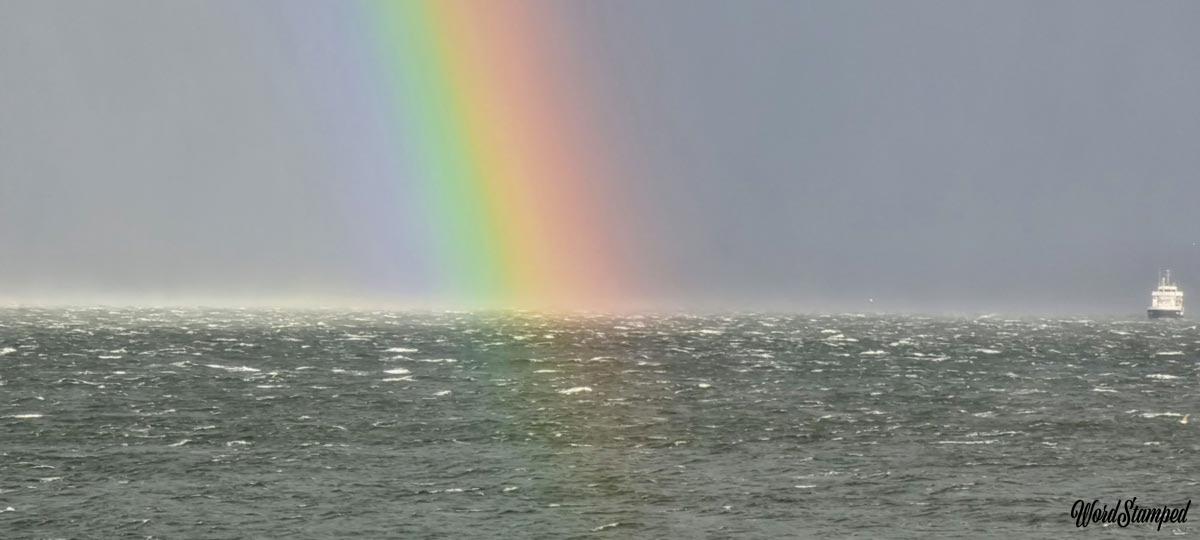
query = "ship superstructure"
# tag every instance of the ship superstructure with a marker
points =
(1166, 302)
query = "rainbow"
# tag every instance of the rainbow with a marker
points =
(492, 116)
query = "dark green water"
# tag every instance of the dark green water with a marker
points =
(253, 424)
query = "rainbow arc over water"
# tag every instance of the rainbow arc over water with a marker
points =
(493, 115)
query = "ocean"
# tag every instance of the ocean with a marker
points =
(192, 423)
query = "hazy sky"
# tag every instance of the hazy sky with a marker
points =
(953, 155)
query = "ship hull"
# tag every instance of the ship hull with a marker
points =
(1164, 313)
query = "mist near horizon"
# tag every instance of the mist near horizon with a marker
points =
(1018, 157)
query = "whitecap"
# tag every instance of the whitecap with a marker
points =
(400, 350)
(995, 433)
(1161, 376)
(1169, 353)
(606, 526)
(876, 352)
(442, 393)
(987, 351)
(237, 443)
(1156, 415)
(397, 371)
(576, 390)
(989, 441)
(180, 443)
(7, 350)
(25, 415)
(244, 369)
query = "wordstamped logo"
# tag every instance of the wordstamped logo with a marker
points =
(1086, 513)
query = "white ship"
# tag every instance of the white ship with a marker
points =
(1166, 302)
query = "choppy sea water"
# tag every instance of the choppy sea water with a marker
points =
(231, 424)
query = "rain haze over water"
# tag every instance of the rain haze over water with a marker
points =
(969, 156)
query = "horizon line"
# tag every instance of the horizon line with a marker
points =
(644, 309)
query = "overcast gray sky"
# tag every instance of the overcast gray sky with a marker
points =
(967, 156)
